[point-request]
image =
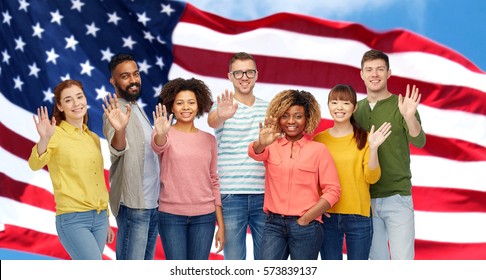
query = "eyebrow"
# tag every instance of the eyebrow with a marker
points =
(128, 73)
(369, 67)
(77, 94)
(180, 99)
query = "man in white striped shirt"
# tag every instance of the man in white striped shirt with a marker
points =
(235, 118)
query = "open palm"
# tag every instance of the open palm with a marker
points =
(44, 126)
(268, 131)
(376, 138)
(226, 107)
(118, 119)
(161, 122)
(408, 104)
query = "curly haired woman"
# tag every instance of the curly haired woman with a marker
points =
(301, 181)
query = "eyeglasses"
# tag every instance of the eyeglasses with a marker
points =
(238, 74)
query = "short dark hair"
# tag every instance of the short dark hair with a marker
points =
(241, 56)
(375, 54)
(119, 58)
(173, 87)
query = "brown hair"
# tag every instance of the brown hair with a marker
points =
(375, 54)
(57, 99)
(241, 56)
(347, 93)
(288, 98)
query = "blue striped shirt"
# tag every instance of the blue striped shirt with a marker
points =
(238, 173)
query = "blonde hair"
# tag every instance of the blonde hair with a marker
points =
(288, 98)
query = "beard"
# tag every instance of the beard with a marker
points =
(125, 93)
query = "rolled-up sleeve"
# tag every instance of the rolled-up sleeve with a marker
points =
(258, 157)
(109, 132)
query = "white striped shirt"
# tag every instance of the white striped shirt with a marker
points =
(238, 173)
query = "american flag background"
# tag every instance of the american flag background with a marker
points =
(44, 42)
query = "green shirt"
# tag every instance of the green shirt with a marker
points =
(394, 153)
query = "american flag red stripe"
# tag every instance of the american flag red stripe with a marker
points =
(292, 51)
(284, 62)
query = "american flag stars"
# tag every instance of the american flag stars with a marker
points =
(50, 41)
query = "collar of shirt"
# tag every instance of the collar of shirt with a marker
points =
(69, 128)
(123, 102)
(301, 142)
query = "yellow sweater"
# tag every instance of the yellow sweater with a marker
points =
(76, 169)
(354, 175)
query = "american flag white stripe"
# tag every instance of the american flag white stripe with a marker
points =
(292, 51)
(287, 44)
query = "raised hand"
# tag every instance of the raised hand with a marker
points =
(268, 131)
(376, 138)
(118, 119)
(226, 109)
(44, 126)
(408, 104)
(161, 122)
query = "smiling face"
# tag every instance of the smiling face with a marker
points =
(185, 107)
(342, 103)
(375, 75)
(73, 104)
(244, 85)
(127, 81)
(341, 110)
(293, 123)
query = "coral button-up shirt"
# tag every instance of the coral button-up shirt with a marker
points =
(297, 175)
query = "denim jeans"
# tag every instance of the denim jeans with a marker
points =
(284, 237)
(137, 233)
(393, 228)
(358, 231)
(241, 211)
(187, 237)
(83, 234)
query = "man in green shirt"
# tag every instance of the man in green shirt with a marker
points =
(391, 196)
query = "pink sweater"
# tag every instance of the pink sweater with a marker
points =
(188, 173)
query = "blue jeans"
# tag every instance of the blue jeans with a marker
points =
(187, 237)
(284, 237)
(241, 211)
(393, 228)
(137, 233)
(83, 234)
(358, 231)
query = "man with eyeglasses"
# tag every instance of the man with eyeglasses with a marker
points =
(235, 117)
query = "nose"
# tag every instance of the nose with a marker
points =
(131, 79)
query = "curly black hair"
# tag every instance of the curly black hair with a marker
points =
(173, 87)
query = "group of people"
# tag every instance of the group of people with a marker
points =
(299, 196)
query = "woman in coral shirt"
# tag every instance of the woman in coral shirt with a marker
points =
(301, 181)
